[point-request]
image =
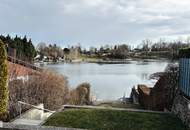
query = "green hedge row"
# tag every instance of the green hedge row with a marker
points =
(184, 53)
(3, 81)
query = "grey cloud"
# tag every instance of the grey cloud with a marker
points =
(94, 22)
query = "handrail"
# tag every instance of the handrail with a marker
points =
(23, 103)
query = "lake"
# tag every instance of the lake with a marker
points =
(110, 81)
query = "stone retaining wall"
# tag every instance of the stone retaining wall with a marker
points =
(181, 108)
(162, 95)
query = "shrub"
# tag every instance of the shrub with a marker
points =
(184, 53)
(80, 95)
(47, 87)
(3, 81)
(53, 87)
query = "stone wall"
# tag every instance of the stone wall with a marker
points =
(181, 108)
(144, 96)
(165, 89)
(162, 95)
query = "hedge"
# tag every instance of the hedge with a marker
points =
(3, 81)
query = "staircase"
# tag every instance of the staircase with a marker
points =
(35, 116)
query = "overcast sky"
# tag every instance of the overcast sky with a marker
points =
(95, 22)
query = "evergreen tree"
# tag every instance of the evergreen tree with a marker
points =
(25, 50)
(3, 81)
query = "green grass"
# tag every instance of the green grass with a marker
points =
(114, 120)
(118, 104)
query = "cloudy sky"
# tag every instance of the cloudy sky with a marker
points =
(95, 22)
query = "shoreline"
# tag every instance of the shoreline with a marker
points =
(101, 61)
(151, 82)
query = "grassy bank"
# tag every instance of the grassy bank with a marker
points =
(114, 120)
(118, 104)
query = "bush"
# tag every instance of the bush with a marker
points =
(3, 81)
(80, 95)
(47, 87)
(52, 89)
(184, 53)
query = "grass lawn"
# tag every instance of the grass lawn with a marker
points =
(114, 120)
(118, 104)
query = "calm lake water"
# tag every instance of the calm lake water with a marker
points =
(110, 81)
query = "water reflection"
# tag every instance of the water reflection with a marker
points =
(110, 81)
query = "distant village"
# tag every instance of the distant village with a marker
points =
(22, 48)
(53, 53)
(146, 50)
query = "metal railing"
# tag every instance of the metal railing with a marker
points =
(184, 80)
(33, 106)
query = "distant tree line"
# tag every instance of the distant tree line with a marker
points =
(120, 51)
(108, 51)
(23, 47)
(162, 45)
(168, 48)
(51, 50)
(55, 52)
(147, 49)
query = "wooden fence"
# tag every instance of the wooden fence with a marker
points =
(23, 63)
(184, 80)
